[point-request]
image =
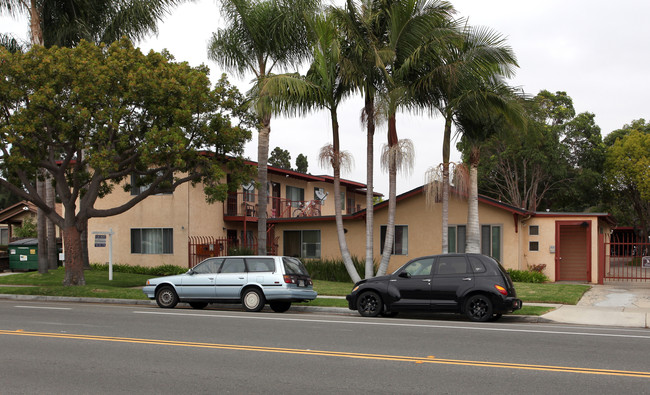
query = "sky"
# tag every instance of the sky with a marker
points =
(594, 50)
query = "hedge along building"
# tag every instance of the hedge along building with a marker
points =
(565, 246)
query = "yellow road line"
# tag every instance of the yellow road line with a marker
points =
(397, 358)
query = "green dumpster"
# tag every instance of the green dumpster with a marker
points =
(23, 254)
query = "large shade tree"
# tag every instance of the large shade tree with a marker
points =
(96, 117)
(260, 36)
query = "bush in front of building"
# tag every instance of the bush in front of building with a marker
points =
(527, 276)
(158, 271)
(333, 270)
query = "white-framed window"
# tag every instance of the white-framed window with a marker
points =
(295, 195)
(457, 238)
(491, 241)
(533, 246)
(302, 243)
(137, 186)
(401, 242)
(248, 191)
(152, 241)
(533, 230)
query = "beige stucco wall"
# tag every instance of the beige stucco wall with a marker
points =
(424, 230)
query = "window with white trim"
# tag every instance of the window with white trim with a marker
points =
(457, 237)
(152, 241)
(401, 242)
(491, 241)
(302, 243)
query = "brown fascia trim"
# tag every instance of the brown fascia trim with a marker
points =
(285, 172)
(605, 216)
(16, 209)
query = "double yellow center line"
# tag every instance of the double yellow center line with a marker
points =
(379, 357)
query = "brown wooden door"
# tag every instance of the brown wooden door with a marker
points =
(573, 255)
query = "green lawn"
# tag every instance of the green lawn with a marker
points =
(129, 286)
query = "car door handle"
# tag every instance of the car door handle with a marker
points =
(467, 279)
(210, 278)
(241, 278)
(427, 279)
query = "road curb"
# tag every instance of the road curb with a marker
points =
(294, 308)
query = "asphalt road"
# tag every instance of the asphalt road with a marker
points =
(68, 348)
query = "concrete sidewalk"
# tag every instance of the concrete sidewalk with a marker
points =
(613, 304)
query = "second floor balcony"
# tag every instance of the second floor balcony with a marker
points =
(245, 206)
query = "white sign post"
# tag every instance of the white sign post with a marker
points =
(100, 241)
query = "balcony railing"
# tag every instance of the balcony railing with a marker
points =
(241, 204)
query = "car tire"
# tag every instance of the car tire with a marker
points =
(198, 305)
(280, 307)
(478, 308)
(369, 304)
(389, 314)
(496, 317)
(253, 299)
(166, 297)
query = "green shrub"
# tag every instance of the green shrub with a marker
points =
(527, 276)
(158, 271)
(333, 270)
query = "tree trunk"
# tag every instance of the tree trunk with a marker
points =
(262, 178)
(473, 244)
(41, 229)
(74, 271)
(36, 32)
(52, 250)
(446, 147)
(393, 144)
(338, 212)
(370, 212)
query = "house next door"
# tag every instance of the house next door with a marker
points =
(573, 251)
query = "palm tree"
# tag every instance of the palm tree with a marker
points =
(362, 26)
(479, 53)
(66, 22)
(417, 30)
(260, 36)
(483, 113)
(323, 87)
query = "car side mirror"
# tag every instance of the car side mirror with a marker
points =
(190, 272)
(405, 275)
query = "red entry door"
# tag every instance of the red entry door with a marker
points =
(573, 252)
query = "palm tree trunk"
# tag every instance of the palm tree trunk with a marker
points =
(446, 144)
(473, 234)
(370, 212)
(338, 213)
(36, 31)
(262, 178)
(392, 196)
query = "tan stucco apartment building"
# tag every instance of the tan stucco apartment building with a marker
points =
(177, 228)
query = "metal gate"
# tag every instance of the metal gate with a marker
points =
(627, 259)
(202, 247)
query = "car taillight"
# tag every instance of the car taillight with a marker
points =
(501, 290)
(288, 279)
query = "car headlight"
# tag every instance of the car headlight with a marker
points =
(355, 288)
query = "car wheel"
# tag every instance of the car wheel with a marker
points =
(166, 297)
(369, 304)
(496, 317)
(478, 308)
(280, 307)
(253, 299)
(198, 305)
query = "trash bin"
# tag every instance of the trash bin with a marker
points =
(23, 254)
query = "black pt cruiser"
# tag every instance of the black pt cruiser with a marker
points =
(472, 284)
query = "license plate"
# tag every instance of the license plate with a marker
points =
(301, 283)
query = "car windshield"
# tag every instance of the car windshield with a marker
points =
(294, 266)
